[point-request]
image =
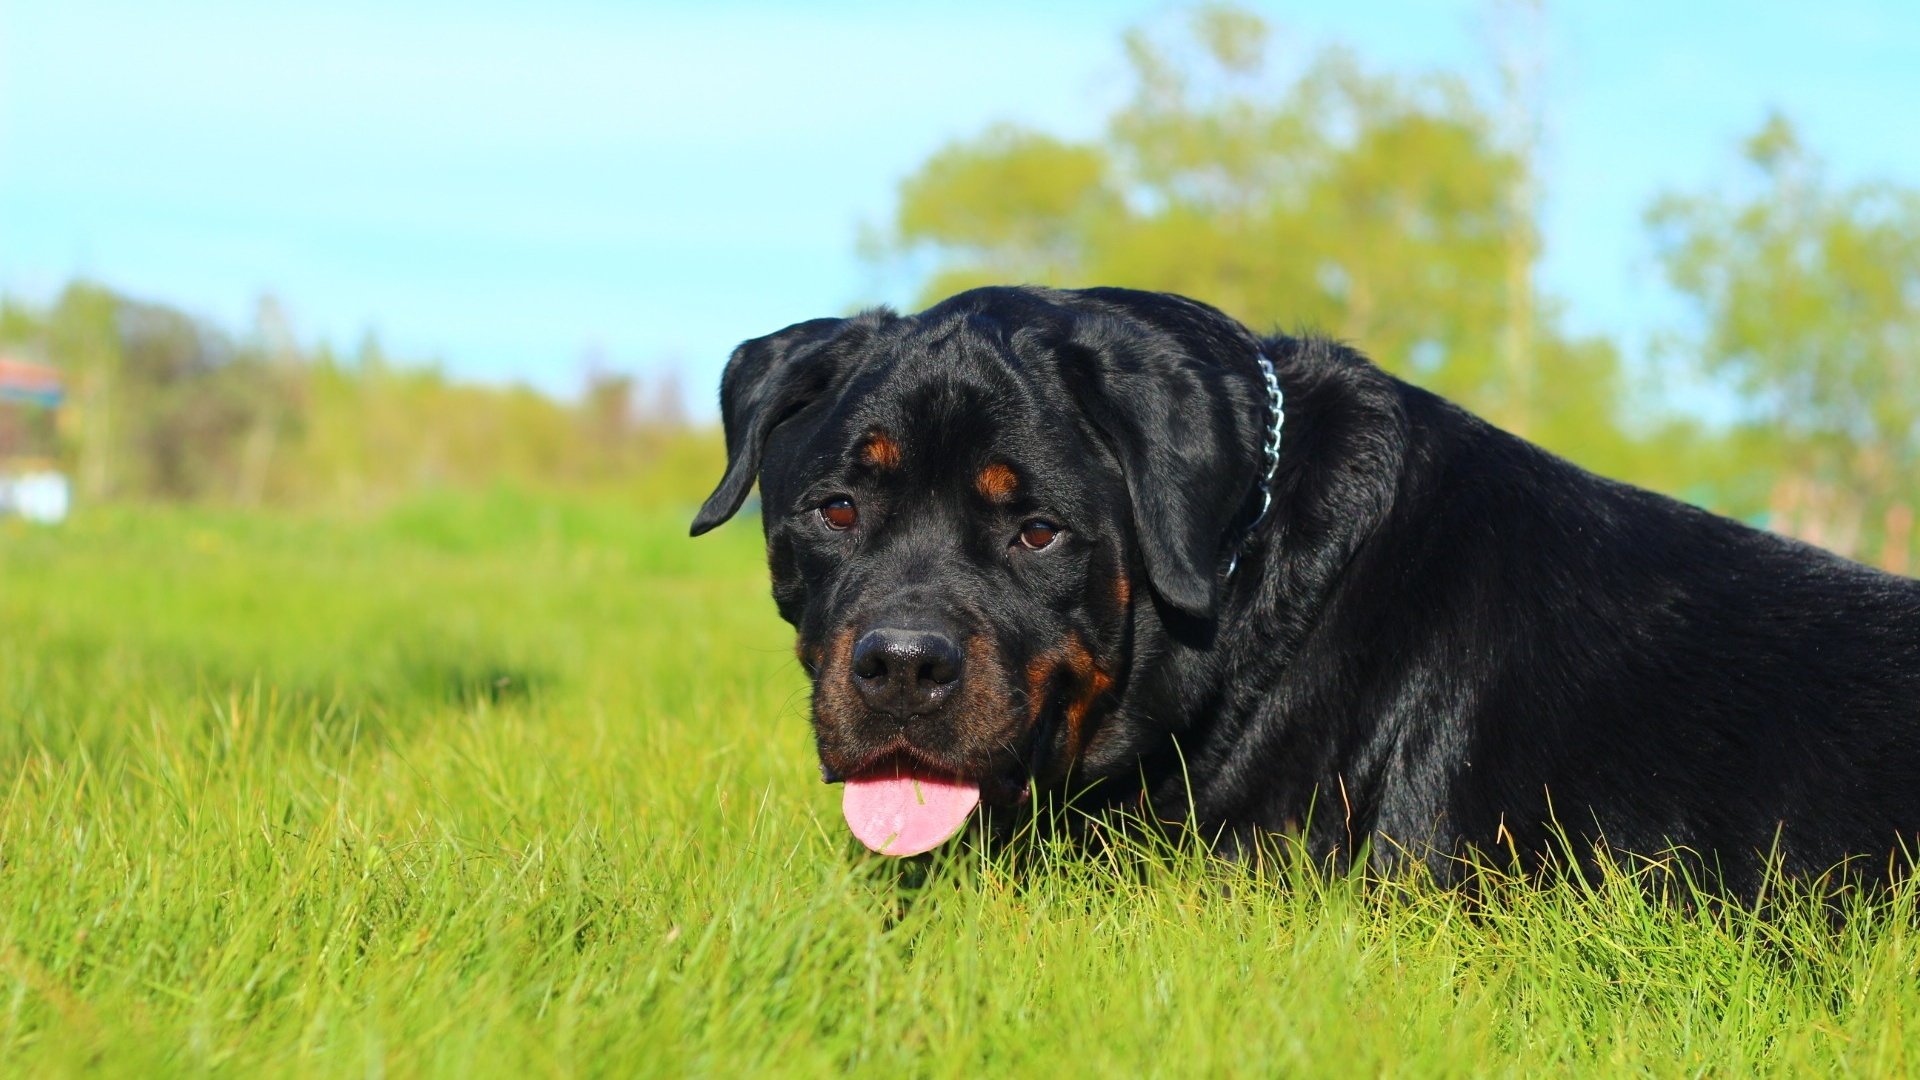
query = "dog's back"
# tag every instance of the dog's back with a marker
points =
(1602, 662)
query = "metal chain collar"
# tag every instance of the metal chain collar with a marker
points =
(1271, 451)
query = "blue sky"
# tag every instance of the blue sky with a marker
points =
(504, 187)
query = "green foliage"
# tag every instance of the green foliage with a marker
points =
(1806, 303)
(499, 785)
(958, 199)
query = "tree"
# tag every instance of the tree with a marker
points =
(1385, 210)
(1805, 303)
(82, 336)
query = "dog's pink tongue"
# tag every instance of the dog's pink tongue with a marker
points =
(899, 813)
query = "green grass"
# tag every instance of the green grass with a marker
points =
(501, 786)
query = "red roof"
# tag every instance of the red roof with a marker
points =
(32, 378)
(35, 384)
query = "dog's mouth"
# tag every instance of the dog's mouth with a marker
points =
(900, 807)
(900, 803)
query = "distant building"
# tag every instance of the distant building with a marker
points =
(30, 485)
(33, 384)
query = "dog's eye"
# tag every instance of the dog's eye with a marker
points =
(1038, 534)
(839, 514)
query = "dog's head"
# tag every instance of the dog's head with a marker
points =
(982, 520)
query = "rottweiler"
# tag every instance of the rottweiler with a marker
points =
(1112, 544)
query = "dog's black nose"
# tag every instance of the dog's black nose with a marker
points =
(905, 672)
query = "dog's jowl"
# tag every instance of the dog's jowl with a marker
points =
(1041, 541)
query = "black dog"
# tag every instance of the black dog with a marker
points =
(1024, 536)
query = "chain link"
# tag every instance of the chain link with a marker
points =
(1271, 451)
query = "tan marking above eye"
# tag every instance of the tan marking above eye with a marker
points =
(881, 451)
(996, 483)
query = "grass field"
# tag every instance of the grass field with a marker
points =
(489, 785)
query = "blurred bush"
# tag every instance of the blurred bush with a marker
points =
(1804, 302)
(163, 405)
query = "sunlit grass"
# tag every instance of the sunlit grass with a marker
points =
(502, 786)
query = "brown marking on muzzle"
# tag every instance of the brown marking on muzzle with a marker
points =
(880, 451)
(809, 657)
(1089, 683)
(1039, 673)
(996, 483)
(1070, 666)
(981, 701)
(834, 678)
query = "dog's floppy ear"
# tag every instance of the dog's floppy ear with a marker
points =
(767, 380)
(1181, 424)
